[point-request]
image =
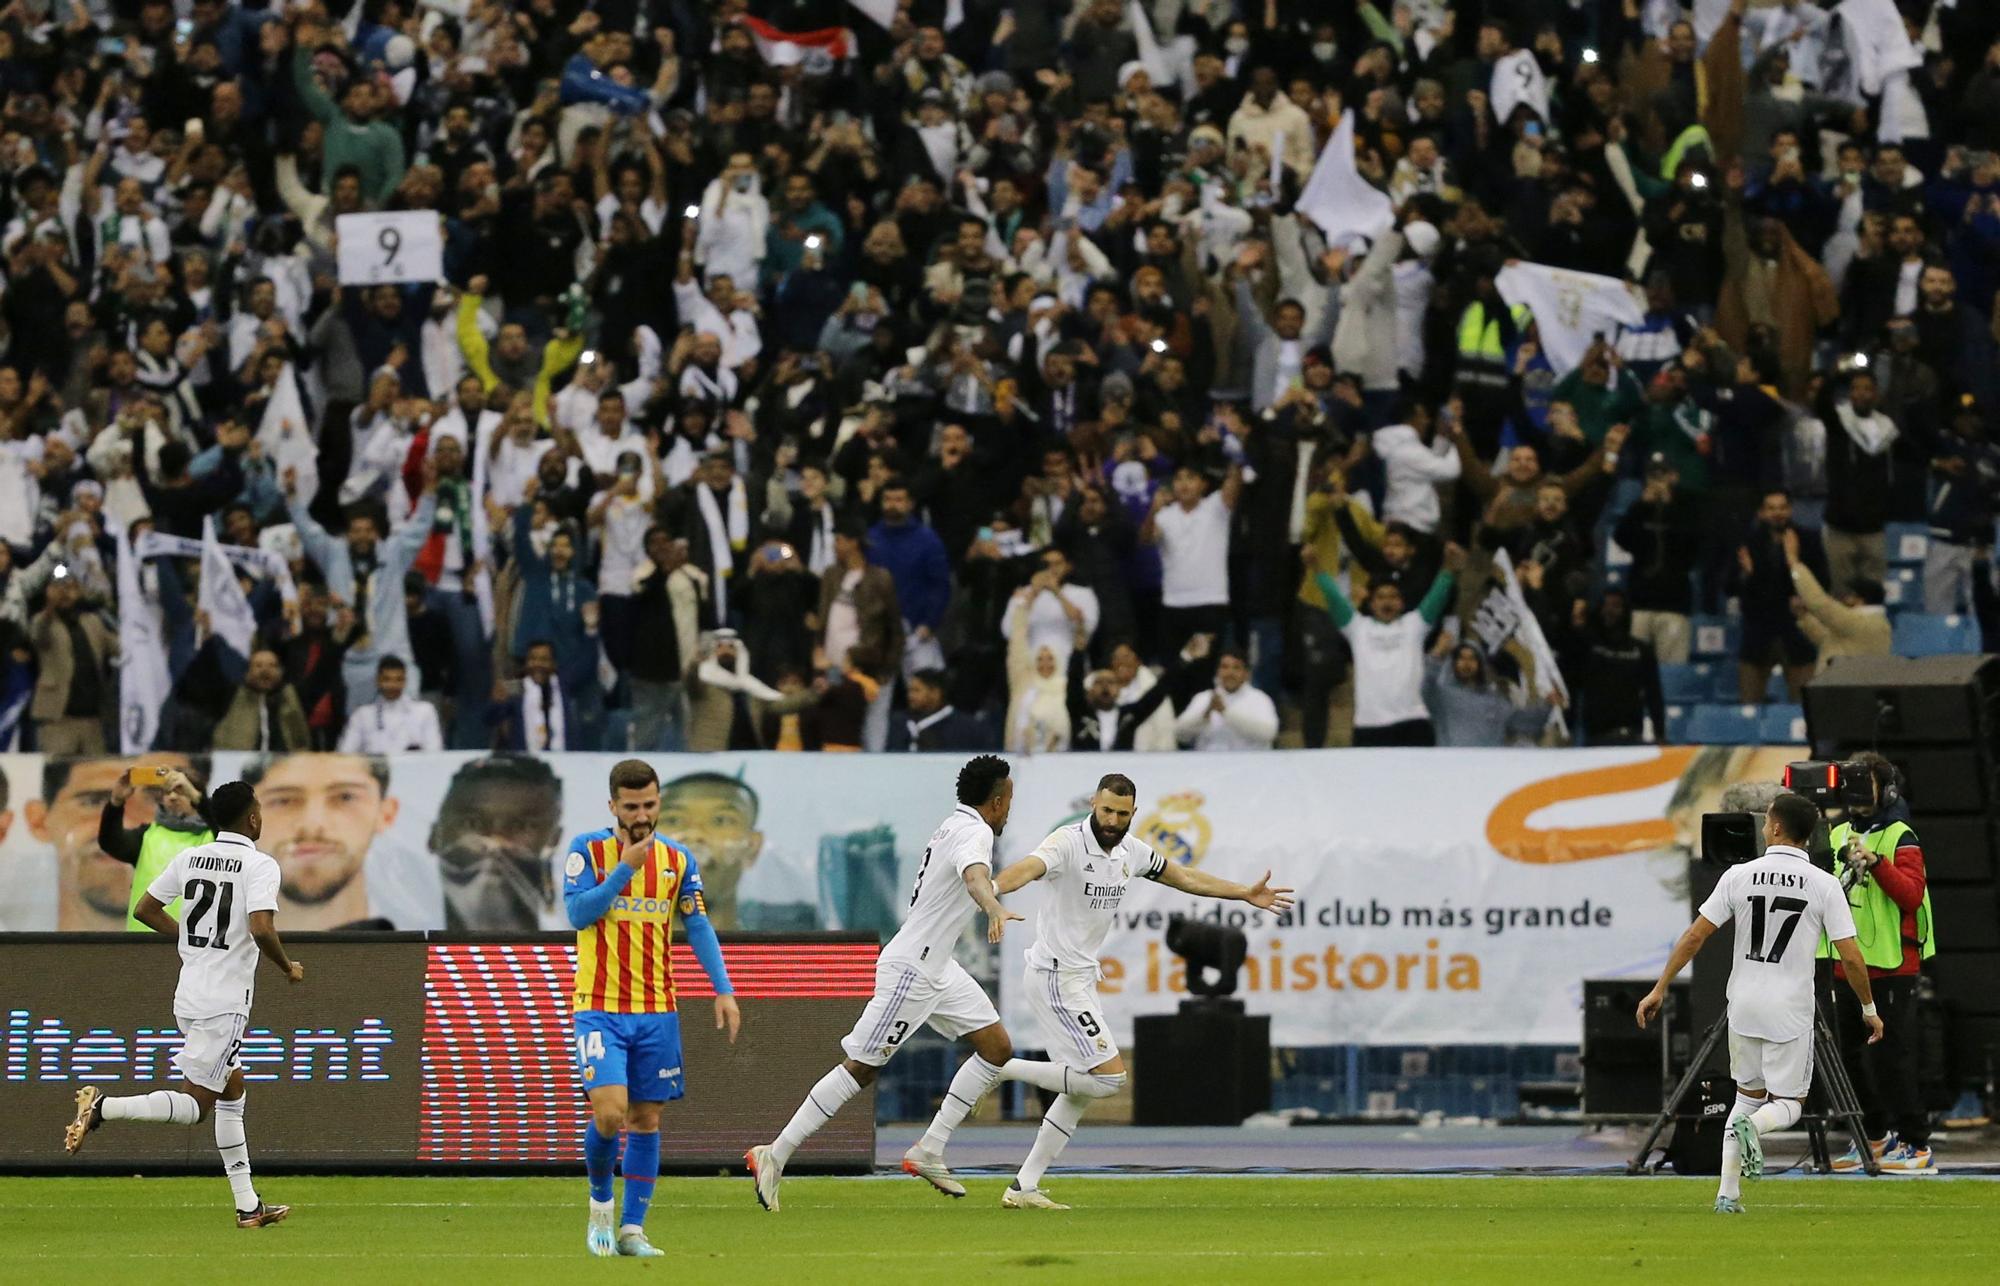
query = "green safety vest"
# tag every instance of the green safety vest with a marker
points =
(1479, 335)
(1878, 921)
(1692, 137)
(159, 847)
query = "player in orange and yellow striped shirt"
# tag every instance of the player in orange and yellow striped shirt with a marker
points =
(621, 887)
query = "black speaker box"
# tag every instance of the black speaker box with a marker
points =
(1940, 779)
(1967, 916)
(1956, 848)
(1968, 981)
(1883, 700)
(1209, 1064)
(1975, 1046)
(1621, 1063)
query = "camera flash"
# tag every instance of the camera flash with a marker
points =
(692, 212)
(1590, 55)
(1861, 361)
(812, 242)
(1700, 181)
(1159, 345)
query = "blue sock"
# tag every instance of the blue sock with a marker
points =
(600, 1157)
(642, 1169)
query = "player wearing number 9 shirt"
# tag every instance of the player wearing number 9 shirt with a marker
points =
(918, 982)
(229, 903)
(1782, 905)
(621, 888)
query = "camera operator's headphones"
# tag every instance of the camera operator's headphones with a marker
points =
(1888, 783)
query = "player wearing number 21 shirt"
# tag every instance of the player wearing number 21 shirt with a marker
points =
(1782, 905)
(1088, 866)
(229, 903)
(918, 982)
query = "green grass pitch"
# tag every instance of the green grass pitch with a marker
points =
(880, 1231)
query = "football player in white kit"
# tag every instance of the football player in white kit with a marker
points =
(1782, 905)
(229, 902)
(918, 982)
(1088, 864)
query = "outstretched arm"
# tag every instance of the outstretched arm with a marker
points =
(979, 882)
(1684, 951)
(1200, 883)
(1020, 875)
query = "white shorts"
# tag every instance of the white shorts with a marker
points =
(1781, 1068)
(905, 999)
(1066, 1007)
(209, 1048)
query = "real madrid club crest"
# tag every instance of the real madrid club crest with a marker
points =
(1177, 829)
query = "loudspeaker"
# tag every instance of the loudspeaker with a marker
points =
(1886, 700)
(1708, 976)
(1696, 1147)
(1209, 1064)
(1957, 849)
(1975, 1049)
(1967, 916)
(1621, 1063)
(1941, 779)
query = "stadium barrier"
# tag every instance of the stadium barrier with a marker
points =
(1446, 897)
(412, 1051)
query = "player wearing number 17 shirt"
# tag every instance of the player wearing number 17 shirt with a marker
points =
(1782, 905)
(228, 892)
(621, 887)
(918, 982)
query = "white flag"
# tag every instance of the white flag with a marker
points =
(1337, 198)
(1158, 69)
(882, 11)
(1518, 79)
(1708, 16)
(143, 681)
(286, 437)
(483, 430)
(1505, 618)
(1570, 308)
(221, 598)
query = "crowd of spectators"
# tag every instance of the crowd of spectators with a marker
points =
(955, 374)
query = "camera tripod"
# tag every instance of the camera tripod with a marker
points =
(1841, 1105)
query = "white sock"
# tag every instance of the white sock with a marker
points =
(1732, 1152)
(170, 1107)
(629, 1230)
(822, 1101)
(233, 1144)
(1058, 1123)
(1778, 1114)
(975, 1076)
(1048, 1076)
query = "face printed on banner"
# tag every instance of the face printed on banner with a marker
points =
(497, 831)
(321, 813)
(716, 818)
(91, 888)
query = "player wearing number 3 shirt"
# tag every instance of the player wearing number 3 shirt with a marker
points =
(228, 892)
(1782, 905)
(918, 982)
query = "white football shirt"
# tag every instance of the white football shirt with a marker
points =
(1085, 886)
(1194, 553)
(1782, 905)
(940, 904)
(219, 885)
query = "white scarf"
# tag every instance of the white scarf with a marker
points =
(1872, 433)
(723, 541)
(920, 726)
(268, 564)
(537, 731)
(819, 551)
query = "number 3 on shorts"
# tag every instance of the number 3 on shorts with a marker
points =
(589, 1045)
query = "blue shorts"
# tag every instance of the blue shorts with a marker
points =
(642, 1052)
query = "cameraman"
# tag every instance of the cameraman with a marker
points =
(1878, 859)
(177, 824)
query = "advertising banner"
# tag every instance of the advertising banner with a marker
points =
(1445, 896)
(400, 1052)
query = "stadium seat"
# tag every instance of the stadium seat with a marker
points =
(1720, 725)
(1907, 542)
(1782, 726)
(1903, 589)
(1920, 634)
(1714, 636)
(1677, 725)
(1686, 682)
